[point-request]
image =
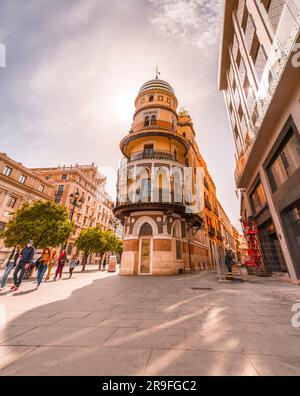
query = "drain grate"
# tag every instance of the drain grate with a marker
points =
(201, 288)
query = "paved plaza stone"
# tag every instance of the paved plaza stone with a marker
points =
(105, 324)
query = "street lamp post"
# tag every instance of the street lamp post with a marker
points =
(75, 202)
(114, 223)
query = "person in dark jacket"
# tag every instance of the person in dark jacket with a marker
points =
(11, 263)
(229, 259)
(26, 258)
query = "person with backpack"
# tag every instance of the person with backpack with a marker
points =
(62, 259)
(11, 264)
(26, 258)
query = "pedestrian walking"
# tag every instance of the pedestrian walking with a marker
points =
(11, 264)
(43, 265)
(26, 258)
(229, 259)
(73, 264)
(51, 263)
(104, 264)
(62, 259)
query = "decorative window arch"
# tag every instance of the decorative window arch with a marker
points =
(139, 223)
(146, 230)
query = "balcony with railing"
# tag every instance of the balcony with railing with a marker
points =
(285, 38)
(158, 198)
(157, 124)
(161, 155)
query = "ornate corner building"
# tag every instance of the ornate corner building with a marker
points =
(163, 234)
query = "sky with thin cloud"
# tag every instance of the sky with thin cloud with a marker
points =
(74, 67)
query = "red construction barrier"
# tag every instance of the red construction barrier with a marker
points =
(255, 259)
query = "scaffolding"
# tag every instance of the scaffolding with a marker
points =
(254, 263)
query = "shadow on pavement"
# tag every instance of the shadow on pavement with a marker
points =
(142, 326)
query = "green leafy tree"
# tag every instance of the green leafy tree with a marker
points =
(113, 244)
(96, 240)
(89, 241)
(46, 223)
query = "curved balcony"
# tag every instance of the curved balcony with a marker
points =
(153, 131)
(155, 155)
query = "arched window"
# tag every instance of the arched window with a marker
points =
(153, 119)
(184, 134)
(147, 119)
(146, 230)
(151, 98)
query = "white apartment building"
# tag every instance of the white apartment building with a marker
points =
(259, 74)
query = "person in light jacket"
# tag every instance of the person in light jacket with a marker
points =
(11, 263)
(73, 264)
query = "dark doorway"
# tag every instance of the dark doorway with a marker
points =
(291, 220)
(271, 249)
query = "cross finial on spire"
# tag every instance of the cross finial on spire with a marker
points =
(156, 72)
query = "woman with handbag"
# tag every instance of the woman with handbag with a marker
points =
(43, 265)
(11, 263)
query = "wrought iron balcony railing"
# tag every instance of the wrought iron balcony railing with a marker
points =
(155, 154)
(158, 124)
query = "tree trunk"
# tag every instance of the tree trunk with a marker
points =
(100, 261)
(84, 260)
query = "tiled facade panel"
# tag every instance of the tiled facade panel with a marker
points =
(260, 63)
(275, 11)
(240, 11)
(242, 72)
(249, 34)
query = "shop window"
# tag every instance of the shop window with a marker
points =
(178, 250)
